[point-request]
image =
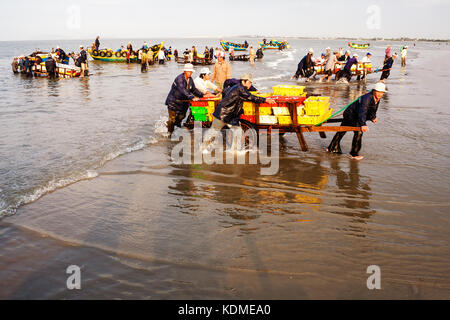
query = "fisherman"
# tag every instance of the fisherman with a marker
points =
(183, 89)
(252, 55)
(320, 61)
(50, 66)
(206, 53)
(161, 57)
(259, 53)
(28, 67)
(169, 53)
(231, 83)
(62, 56)
(245, 44)
(364, 61)
(344, 57)
(305, 67)
(175, 54)
(204, 84)
(347, 71)
(150, 57)
(403, 54)
(329, 66)
(145, 46)
(230, 108)
(221, 71)
(129, 52)
(388, 67)
(356, 115)
(83, 60)
(15, 65)
(387, 53)
(211, 52)
(144, 61)
(194, 53)
(97, 43)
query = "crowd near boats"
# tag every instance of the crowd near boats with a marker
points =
(219, 101)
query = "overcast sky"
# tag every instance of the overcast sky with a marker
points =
(82, 19)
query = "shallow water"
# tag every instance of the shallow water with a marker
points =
(98, 181)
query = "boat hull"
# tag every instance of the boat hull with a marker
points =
(107, 55)
(236, 47)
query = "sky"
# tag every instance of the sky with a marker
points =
(82, 19)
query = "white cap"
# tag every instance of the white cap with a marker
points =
(311, 50)
(355, 55)
(380, 87)
(57, 47)
(328, 48)
(347, 51)
(205, 71)
(81, 46)
(189, 67)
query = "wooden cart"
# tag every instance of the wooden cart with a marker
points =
(296, 128)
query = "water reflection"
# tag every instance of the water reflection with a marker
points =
(242, 195)
(354, 196)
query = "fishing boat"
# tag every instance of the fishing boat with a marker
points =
(200, 60)
(63, 69)
(359, 46)
(274, 44)
(242, 57)
(109, 55)
(237, 47)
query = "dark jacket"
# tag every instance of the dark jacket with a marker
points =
(62, 54)
(350, 63)
(229, 83)
(181, 91)
(300, 67)
(97, 43)
(230, 108)
(362, 110)
(83, 56)
(388, 64)
(50, 65)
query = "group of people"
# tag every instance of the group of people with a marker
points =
(24, 64)
(307, 65)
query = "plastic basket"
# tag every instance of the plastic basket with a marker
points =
(200, 117)
(281, 111)
(249, 110)
(199, 103)
(210, 109)
(265, 111)
(311, 120)
(249, 118)
(199, 110)
(300, 111)
(284, 120)
(266, 119)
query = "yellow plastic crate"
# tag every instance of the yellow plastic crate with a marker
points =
(249, 109)
(311, 120)
(300, 111)
(265, 119)
(211, 104)
(210, 109)
(210, 117)
(315, 108)
(284, 120)
(281, 111)
(285, 90)
(265, 111)
(263, 95)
